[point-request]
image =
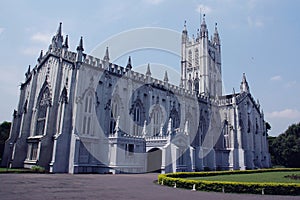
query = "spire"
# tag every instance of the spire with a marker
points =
(41, 56)
(184, 36)
(129, 66)
(148, 72)
(28, 70)
(80, 50)
(66, 44)
(203, 29)
(244, 84)
(106, 56)
(57, 40)
(166, 79)
(80, 46)
(59, 32)
(216, 38)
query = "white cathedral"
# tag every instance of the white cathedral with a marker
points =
(82, 114)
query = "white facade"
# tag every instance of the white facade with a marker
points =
(81, 114)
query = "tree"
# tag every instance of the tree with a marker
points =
(4, 134)
(285, 149)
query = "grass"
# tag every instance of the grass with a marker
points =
(9, 170)
(266, 177)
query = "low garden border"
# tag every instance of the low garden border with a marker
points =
(177, 180)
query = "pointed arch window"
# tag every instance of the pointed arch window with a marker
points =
(87, 114)
(156, 120)
(190, 58)
(175, 118)
(137, 116)
(42, 111)
(197, 57)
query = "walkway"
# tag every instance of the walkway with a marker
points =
(90, 186)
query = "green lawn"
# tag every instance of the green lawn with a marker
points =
(3, 170)
(275, 177)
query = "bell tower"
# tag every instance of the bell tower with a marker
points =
(201, 61)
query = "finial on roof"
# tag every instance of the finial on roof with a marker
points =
(80, 46)
(59, 30)
(166, 79)
(106, 56)
(148, 72)
(41, 56)
(129, 66)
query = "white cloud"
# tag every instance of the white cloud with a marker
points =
(285, 114)
(154, 2)
(1, 30)
(255, 22)
(291, 84)
(201, 8)
(41, 37)
(276, 78)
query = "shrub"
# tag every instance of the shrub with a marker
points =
(38, 169)
(230, 187)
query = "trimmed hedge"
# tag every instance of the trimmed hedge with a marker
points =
(230, 187)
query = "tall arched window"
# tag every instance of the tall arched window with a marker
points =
(156, 120)
(175, 118)
(190, 58)
(197, 57)
(87, 114)
(136, 120)
(42, 112)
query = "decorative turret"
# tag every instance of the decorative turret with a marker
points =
(244, 85)
(203, 29)
(80, 50)
(57, 40)
(166, 79)
(148, 72)
(40, 57)
(129, 66)
(66, 44)
(184, 37)
(216, 38)
(28, 72)
(106, 56)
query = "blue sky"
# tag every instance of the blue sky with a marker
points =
(259, 37)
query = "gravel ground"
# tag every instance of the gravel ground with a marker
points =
(91, 186)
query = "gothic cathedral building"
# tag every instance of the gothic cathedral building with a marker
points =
(82, 114)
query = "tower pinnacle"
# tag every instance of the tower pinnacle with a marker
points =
(148, 72)
(129, 66)
(106, 56)
(244, 84)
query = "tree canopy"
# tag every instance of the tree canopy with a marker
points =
(4, 134)
(285, 149)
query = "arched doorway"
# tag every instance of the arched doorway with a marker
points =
(154, 157)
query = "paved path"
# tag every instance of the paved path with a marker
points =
(66, 186)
